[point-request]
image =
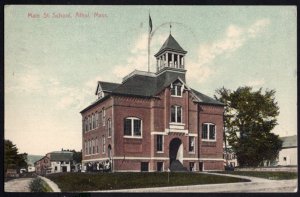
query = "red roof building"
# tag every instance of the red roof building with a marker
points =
(154, 121)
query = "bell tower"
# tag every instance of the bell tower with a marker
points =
(170, 56)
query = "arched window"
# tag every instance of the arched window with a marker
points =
(109, 127)
(90, 123)
(86, 147)
(86, 125)
(103, 116)
(93, 121)
(132, 127)
(209, 132)
(97, 119)
(176, 113)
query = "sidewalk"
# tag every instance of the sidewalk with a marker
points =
(18, 185)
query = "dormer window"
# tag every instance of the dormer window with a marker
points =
(176, 89)
(100, 94)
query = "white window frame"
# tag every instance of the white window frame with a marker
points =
(109, 127)
(132, 128)
(176, 115)
(176, 90)
(97, 119)
(103, 116)
(93, 122)
(208, 132)
(103, 144)
(162, 148)
(193, 137)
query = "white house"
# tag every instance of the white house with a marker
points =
(60, 161)
(288, 154)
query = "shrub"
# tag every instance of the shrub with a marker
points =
(38, 185)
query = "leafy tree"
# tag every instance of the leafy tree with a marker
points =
(12, 159)
(249, 118)
(77, 156)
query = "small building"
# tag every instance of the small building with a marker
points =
(54, 162)
(42, 165)
(288, 154)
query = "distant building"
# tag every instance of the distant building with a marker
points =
(288, 154)
(154, 121)
(54, 162)
(230, 158)
(31, 159)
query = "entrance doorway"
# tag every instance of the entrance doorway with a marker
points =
(176, 150)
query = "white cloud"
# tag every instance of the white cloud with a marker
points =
(138, 58)
(256, 83)
(234, 38)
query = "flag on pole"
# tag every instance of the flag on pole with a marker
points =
(150, 24)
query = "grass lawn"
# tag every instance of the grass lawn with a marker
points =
(265, 174)
(69, 182)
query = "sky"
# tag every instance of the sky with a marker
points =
(54, 57)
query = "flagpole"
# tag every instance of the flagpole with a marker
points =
(149, 50)
(149, 44)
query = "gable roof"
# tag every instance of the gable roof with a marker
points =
(170, 45)
(289, 141)
(61, 156)
(139, 84)
(202, 98)
(106, 86)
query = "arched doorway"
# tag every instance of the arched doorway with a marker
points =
(176, 150)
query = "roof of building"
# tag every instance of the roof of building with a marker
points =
(148, 84)
(108, 86)
(206, 99)
(171, 45)
(61, 156)
(289, 141)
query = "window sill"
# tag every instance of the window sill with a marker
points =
(209, 140)
(176, 96)
(191, 152)
(159, 151)
(133, 137)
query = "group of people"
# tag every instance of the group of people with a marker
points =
(104, 166)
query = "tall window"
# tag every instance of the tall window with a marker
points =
(100, 118)
(86, 124)
(93, 146)
(103, 116)
(208, 131)
(93, 121)
(109, 127)
(96, 114)
(90, 123)
(103, 144)
(191, 144)
(86, 148)
(159, 143)
(97, 145)
(90, 147)
(176, 89)
(133, 127)
(176, 114)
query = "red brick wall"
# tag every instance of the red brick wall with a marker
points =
(155, 115)
(211, 114)
(132, 107)
(213, 165)
(99, 131)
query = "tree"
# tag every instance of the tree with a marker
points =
(249, 118)
(12, 159)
